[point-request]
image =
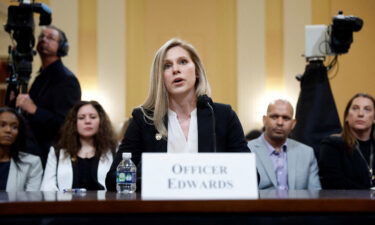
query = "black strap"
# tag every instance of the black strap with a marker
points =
(57, 153)
(369, 164)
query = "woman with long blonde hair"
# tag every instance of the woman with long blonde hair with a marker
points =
(178, 115)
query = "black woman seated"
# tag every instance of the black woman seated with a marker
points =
(19, 171)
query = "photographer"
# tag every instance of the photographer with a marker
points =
(54, 91)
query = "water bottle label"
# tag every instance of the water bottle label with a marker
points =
(126, 177)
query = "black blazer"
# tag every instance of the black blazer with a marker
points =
(339, 169)
(54, 91)
(140, 136)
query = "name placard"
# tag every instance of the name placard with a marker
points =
(199, 176)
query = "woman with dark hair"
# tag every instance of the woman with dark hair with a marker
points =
(84, 152)
(178, 116)
(347, 160)
(19, 171)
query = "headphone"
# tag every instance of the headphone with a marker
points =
(63, 44)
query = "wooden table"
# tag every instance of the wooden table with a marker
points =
(272, 207)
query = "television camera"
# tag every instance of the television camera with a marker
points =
(335, 39)
(316, 110)
(20, 25)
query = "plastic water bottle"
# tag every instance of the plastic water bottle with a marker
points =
(126, 174)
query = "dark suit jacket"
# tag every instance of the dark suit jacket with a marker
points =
(54, 91)
(339, 169)
(140, 137)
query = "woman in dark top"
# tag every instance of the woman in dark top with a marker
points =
(347, 160)
(84, 152)
(178, 116)
(19, 171)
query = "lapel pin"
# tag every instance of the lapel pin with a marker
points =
(158, 136)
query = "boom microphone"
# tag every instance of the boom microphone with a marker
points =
(205, 101)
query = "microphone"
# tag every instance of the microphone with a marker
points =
(205, 101)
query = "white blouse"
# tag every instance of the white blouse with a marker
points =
(177, 142)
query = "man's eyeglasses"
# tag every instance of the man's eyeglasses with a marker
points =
(48, 37)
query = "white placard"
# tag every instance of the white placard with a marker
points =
(199, 176)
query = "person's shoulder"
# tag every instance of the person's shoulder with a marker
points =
(66, 78)
(223, 110)
(56, 151)
(254, 144)
(293, 144)
(28, 158)
(137, 112)
(65, 71)
(108, 155)
(60, 70)
(256, 140)
(334, 139)
(222, 106)
(226, 116)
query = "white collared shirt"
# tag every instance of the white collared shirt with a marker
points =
(177, 142)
